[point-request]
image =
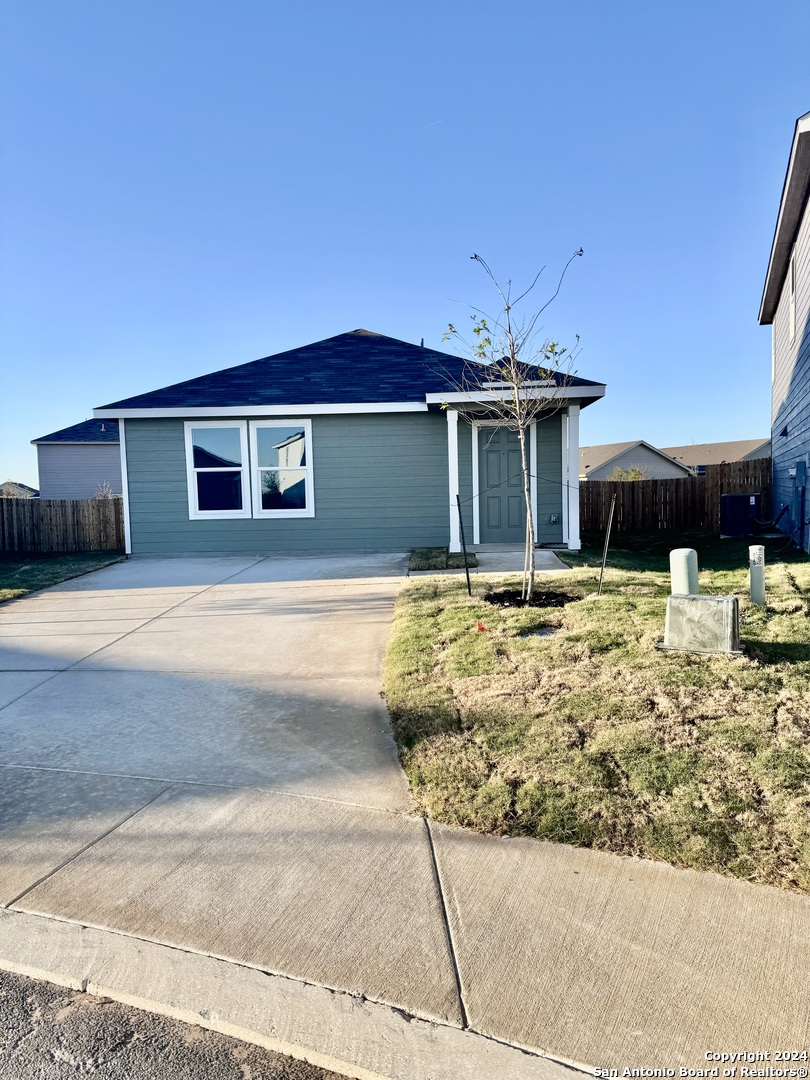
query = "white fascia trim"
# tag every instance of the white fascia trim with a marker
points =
(263, 410)
(122, 441)
(792, 206)
(483, 396)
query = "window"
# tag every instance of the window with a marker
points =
(216, 464)
(268, 474)
(281, 454)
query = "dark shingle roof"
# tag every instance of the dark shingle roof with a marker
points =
(359, 366)
(88, 431)
(696, 454)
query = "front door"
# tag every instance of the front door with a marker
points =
(501, 507)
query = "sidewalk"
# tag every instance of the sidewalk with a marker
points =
(295, 900)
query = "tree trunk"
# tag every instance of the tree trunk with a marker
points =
(530, 562)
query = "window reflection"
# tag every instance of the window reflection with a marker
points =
(281, 447)
(219, 490)
(284, 489)
(217, 448)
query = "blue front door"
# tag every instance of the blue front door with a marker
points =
(502, 510)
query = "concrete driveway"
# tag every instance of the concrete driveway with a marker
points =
(241, 672)
(202, 813)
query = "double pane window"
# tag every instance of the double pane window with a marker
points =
(269, 475)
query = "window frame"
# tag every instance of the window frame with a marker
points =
(194, 511)
(255, 469)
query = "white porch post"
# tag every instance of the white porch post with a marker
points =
(476, 501)
(533, 477)
(573, 478)
(564, 475)
(122, 438)
(452, 472)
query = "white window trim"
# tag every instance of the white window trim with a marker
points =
(256, 469)
(194, 512)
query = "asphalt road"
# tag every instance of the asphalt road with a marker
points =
(50, 1033)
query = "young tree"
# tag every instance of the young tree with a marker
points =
(634, 472)
(519, 375)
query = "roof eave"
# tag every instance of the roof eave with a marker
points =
(791, 207)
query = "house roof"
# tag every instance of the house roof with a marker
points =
(355, 367)
(13, 489)
(718, 452)
(88, 431)
(791, 208)
(594, 457)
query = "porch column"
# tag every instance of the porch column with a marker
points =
(122, 441)
(452, 473)
(565, 476)
(573, 478)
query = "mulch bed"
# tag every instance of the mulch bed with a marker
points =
(511, 598)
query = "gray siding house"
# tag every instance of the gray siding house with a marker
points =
(360, 442)
(77, 462)
(599, 462)
(786, 308)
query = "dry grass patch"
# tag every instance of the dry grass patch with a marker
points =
(592, 736)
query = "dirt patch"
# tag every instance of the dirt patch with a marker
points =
(511, 598)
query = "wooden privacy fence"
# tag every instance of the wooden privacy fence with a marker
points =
(48, 526)
(690, 502)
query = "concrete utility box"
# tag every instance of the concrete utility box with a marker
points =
(683, 570)
(703, 624)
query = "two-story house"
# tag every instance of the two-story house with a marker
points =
(786, 308)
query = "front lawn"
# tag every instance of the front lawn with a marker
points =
(23, 574)
(587, 734)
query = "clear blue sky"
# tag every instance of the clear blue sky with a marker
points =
(191, 185)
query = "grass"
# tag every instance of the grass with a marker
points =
(592, 736)
(19, 576)
(439, 558)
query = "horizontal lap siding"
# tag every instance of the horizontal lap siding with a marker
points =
(791, 389)
(78, 470)
(380, 484)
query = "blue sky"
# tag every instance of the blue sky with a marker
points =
(188, 186)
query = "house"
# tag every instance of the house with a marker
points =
(698, 455)
(11, 489)
(598, 462)
(786, 308)
(359, 442)
(80, 461)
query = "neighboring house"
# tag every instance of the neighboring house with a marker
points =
(359, 442)
(13, 490)
(598, 462)
(698, 455)
(786, 308)
(78, 461)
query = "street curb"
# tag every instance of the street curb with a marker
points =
(328, 1028)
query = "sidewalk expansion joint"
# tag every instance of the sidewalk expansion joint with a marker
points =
(447, 929)
(86, 847)
(173, 781)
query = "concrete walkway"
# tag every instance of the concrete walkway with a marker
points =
(202, 812)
